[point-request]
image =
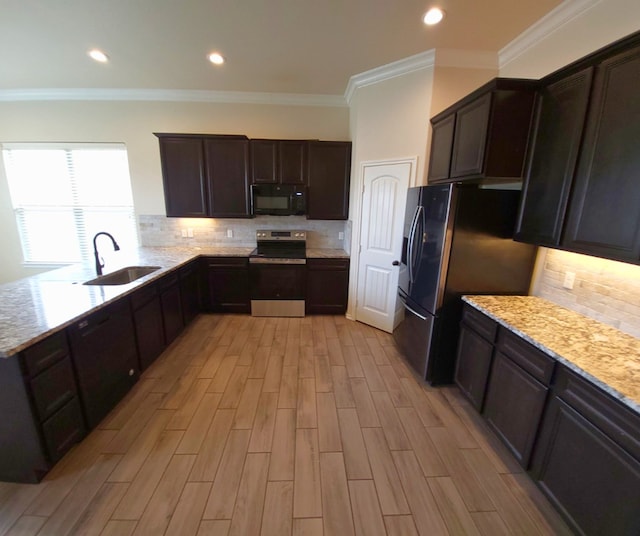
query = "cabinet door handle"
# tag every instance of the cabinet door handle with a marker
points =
(395, 263)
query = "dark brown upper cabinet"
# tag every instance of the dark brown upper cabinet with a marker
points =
(205, 175)
(581, 191)
(227, 165)
(561, 108)
(278, 161)
(183, 176)
(604, 212)
(483, 135)
(329, 171)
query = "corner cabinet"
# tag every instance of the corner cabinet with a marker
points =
(581, 191)
(484, 135)
(205, 175)
(227, 282)
(329, 173)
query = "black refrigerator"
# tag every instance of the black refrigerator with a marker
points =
(457, 240)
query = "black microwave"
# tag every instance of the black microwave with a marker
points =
(278, 200)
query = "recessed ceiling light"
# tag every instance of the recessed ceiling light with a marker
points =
(98, 55)
(216, 58)
(433, 16)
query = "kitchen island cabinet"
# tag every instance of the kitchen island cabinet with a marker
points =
(42, 419)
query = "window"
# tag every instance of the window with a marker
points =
(63, 194)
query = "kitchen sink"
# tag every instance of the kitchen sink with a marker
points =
(123, 276)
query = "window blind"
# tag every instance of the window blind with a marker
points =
(62, 194)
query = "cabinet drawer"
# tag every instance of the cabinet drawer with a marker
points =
(534, 361)
(226, 262)
(63, 429)
(44, 353)
(327, 264)
(168, 280)
(143, 296)
(479, 322)
(616, 420)
(53, 388)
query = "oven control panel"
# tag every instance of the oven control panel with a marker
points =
(286, 236)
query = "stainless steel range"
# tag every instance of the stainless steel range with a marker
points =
(277, 273)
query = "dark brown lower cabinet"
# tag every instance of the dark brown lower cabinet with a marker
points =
(147, 319)
(190, 291)
(514, 405)
(327, 286)
(587, 460)
(475, 352)
(171, 304)
(42, 419)
(227, 281)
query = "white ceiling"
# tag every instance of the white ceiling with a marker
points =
(273, 46)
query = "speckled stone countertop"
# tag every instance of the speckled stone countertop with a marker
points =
(596, 351)
(38, 306)
(326, 253)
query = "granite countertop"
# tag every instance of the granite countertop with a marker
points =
(596, 351)
(326, 253)
(38, 306)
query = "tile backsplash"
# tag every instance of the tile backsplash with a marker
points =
(158, 230)
(605, 290)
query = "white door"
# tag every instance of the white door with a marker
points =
(383, 204)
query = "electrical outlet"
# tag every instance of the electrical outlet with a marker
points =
(340, 235)
(569, 280)
(190, 233)
(184, 233)
(229, 233)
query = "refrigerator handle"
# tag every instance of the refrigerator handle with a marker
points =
(412, 236)
(414, 312)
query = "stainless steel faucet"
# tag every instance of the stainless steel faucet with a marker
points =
(100, 261)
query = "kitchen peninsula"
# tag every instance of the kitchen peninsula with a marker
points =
(69, 351)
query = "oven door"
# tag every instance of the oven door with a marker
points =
(276, 281)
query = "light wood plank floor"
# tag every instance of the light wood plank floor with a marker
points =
(275, 426)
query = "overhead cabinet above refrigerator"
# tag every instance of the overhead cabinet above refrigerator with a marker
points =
(483, 135)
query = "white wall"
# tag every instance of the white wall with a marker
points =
(389, 120)
(605, 290)
(601, 24)
(134, 123)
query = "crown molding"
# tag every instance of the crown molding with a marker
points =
(552, 21)
(417, 62)
(170, 95)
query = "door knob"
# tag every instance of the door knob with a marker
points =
(396, 263)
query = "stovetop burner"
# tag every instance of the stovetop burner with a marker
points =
(280, 246)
